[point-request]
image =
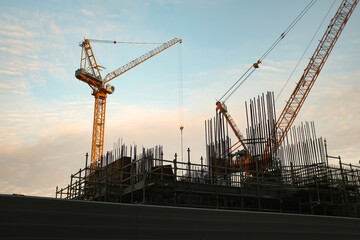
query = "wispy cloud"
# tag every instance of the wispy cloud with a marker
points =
(7, 72)
(87, 12)
(15, 31)
(272, 69)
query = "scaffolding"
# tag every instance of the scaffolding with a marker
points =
(305, 189)
(297, 178)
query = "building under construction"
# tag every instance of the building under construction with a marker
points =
(297, 179)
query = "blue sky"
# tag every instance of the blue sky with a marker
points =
(47, 113)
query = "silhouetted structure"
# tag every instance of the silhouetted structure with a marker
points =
(298, 179)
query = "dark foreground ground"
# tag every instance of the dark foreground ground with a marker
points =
(46, 218)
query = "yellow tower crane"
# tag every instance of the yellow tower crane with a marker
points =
(89, 72)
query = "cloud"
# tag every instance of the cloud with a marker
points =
(62, 141)
(44, 136)
(32, 120)
(20, 84)
(87, 12)
(39, 168)
(333, 105)
(272, 69)
(16, 51)
(7, 72)
(15, 31)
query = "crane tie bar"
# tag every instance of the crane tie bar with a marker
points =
(115, 42)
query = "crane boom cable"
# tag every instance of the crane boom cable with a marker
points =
(302, 56)
(239, 84)
(245, 76)
(288, 29)
(235, 83)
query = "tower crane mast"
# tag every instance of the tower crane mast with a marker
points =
(89, 72)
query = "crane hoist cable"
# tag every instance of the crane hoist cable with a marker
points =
(302, 56)
(181, 101)
(252, 68)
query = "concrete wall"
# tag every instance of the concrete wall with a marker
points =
(46, 218)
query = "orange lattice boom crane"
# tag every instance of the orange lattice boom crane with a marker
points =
(89, 72)
(300, 92)
(311, 72)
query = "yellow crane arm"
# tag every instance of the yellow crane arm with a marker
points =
(110, 76)
(310, 75)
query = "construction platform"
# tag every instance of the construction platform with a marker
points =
(316, 189)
